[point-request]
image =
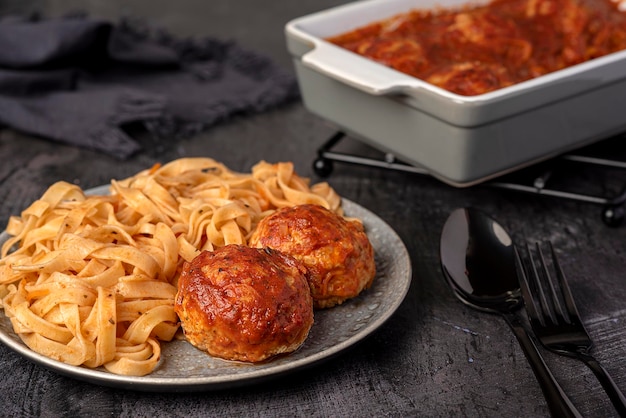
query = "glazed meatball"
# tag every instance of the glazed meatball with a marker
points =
(337, 252)
(245, 304)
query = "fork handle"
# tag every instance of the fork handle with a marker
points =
(558, 402)
(611, 389)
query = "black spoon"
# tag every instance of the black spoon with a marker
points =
(477, 259)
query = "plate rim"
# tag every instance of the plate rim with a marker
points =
(153, 383)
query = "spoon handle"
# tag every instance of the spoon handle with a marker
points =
(558, 402)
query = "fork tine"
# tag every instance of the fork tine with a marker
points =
(537, 278)
(522, 273)
(557, 312)
(570, 305)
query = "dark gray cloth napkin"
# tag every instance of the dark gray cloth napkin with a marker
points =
(79, 81)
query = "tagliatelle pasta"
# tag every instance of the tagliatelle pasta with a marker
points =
(90, 280)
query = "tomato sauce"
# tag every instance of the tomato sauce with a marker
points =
(476, 49)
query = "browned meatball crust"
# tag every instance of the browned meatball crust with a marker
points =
(246, 304)
(337, 252)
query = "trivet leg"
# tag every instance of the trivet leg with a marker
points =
(323, 167)
(613, 215)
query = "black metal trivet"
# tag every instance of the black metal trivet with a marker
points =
(533, 180)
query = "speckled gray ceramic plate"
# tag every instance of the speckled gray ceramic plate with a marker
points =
(184, 368)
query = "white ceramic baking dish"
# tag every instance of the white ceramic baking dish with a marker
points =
(462, 140)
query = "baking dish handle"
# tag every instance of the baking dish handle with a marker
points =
(356, 71)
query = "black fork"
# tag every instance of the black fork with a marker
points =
(555, 319)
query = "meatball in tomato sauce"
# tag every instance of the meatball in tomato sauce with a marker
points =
(245, 304)
(336, 250)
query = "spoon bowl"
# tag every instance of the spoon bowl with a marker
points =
(478, 261)
(477, 258)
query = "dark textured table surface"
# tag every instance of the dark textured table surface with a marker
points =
(435, 356)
